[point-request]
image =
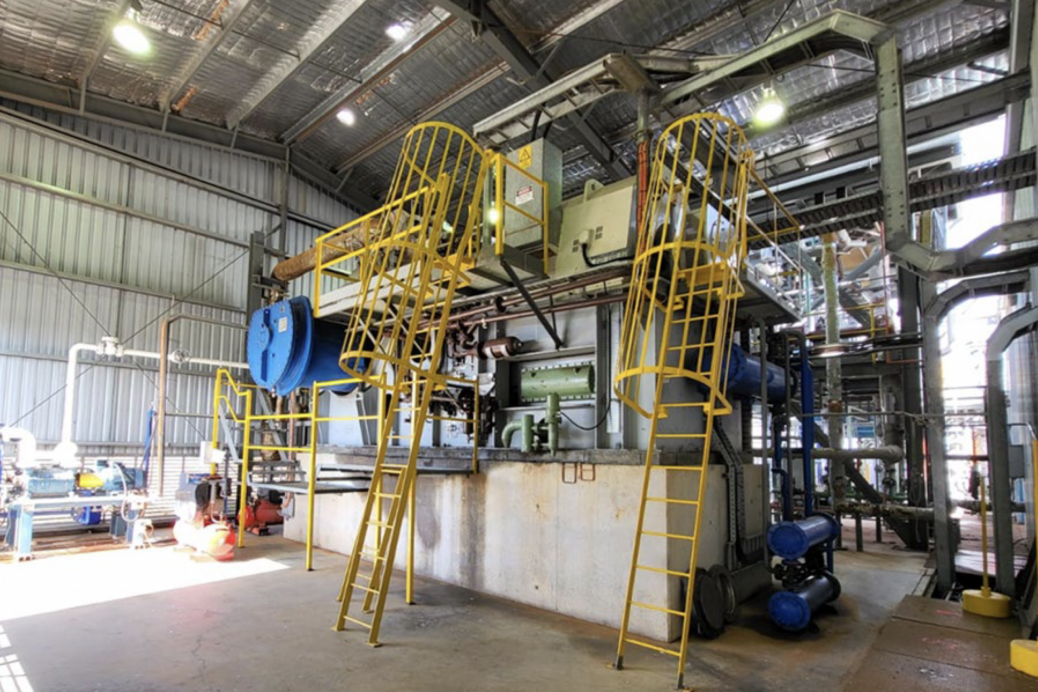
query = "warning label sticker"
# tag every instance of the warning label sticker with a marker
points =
(524, 195)
(526, 156)
(282, 325)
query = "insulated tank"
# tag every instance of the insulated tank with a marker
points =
(288, 348)
(745, 373)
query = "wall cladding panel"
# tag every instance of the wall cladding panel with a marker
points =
(42, 319)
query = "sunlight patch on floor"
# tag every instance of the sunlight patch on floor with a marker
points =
(70, 581)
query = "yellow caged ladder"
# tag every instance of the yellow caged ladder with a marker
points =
(678, 325)
(402, 265)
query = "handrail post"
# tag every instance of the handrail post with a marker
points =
(311, 478)
(243, 489)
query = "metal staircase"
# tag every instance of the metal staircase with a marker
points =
(676, 331)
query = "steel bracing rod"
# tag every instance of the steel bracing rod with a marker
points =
(518, 283)
(329, 24)
(387, 62)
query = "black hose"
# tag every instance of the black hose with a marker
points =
(601, 263)
(596, 426)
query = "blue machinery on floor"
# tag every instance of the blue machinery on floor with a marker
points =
(47, 491)
(804, 546)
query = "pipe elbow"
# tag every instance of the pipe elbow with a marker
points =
(509, 432)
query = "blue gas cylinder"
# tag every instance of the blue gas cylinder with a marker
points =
(791, 540)
(288, 348)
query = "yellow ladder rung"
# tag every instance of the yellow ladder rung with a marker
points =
(659, 609)
(682, 436)
(366, 588)
(661, 570)
(395, 497)
(672, 500)
(380, 524)
(647, 645)
(663, 534)
(373, 558)
(355, 621)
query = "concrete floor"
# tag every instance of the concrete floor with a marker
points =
(933, 646)
(157, 620)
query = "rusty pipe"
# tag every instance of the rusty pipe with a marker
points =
(306, 261)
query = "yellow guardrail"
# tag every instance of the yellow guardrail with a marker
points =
(237, 399)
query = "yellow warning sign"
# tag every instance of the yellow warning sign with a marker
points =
(526, 156)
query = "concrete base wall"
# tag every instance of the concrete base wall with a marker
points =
(525, 532)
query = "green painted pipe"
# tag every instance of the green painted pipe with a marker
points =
(570, 381)
(552, 418)
(528, 436)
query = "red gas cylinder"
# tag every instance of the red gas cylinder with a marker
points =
(261, 514)
(215, 539)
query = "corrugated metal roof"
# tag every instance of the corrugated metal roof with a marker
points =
(53, 39)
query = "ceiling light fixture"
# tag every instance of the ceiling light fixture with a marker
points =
(346, 117)
(397, 32)
(127, 33)
(770, 110)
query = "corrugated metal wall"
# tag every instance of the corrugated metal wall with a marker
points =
(139, 225)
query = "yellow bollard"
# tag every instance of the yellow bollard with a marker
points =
(985, 601)
(1023, 653)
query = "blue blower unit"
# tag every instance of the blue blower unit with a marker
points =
(288, 348)
(791, 540)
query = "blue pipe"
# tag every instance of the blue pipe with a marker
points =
(786, 490)
(149, 430)
(791, 540)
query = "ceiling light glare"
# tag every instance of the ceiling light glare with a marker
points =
(770, 110)
(128, 34)
(346, 117)
(397, 32)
